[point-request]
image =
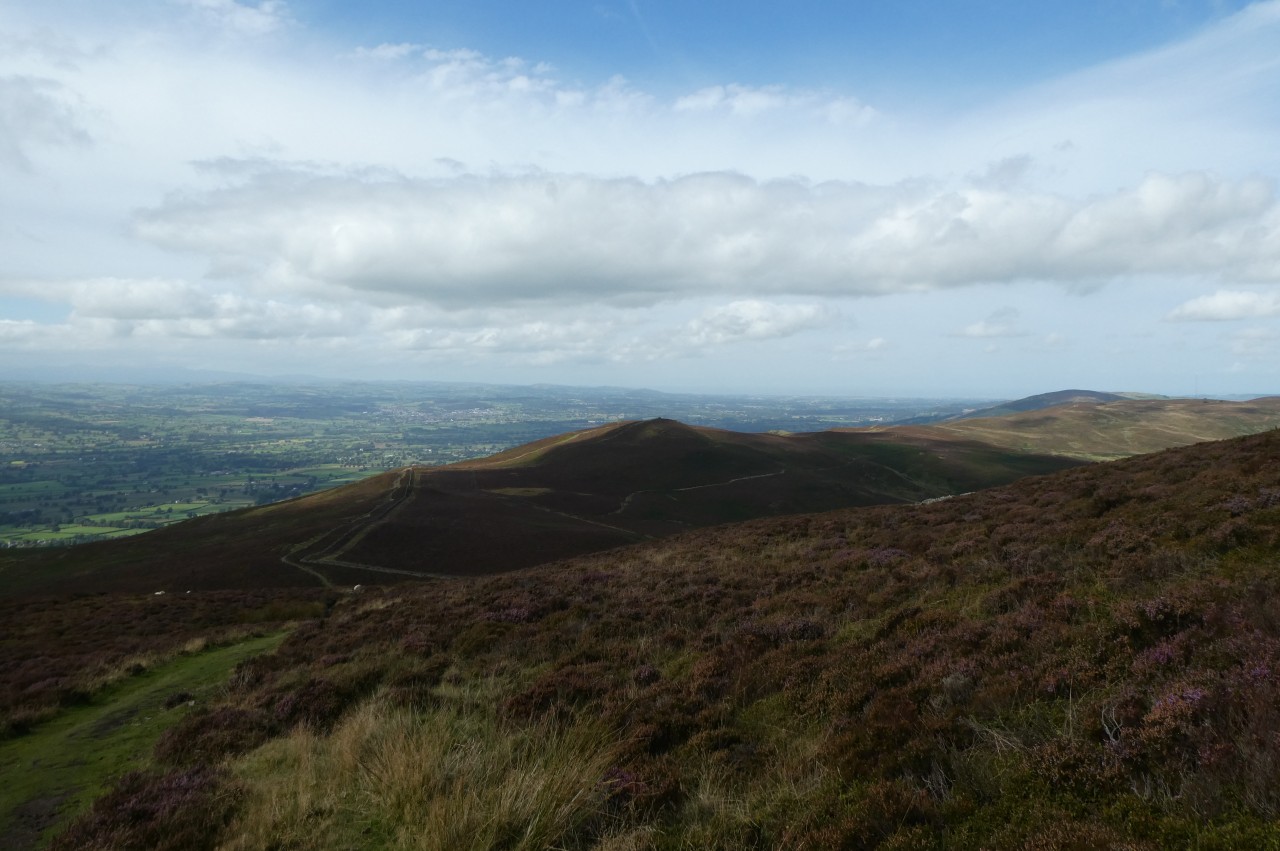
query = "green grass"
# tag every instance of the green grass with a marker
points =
(68, 761)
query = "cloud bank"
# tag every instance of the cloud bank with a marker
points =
(557, 237)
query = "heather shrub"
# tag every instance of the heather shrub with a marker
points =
(206, 737)
(1066, 663)
(318, 704)
(182, 810)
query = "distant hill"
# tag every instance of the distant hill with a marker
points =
(1092, 429)
(577, 493)
(1045, 400)
(1030, 403)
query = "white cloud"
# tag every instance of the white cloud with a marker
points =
(440, 203)
(16, 333)
(170, 309)
(35, 113)
(556, 236)
(753, 320)
(1001, 323)
(1227, 304)
(388, 52)
(264, 17)
(858, 350)
(538, 342)
(751, 101)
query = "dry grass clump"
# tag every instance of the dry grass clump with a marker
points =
(453, 778)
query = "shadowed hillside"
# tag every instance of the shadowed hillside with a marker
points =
(1083, 660)
(563, 496)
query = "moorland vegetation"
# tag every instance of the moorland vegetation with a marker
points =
(1086, 659)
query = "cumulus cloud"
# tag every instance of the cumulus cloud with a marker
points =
(545, 236)
(168, 308)
(1227, 304)
(109, 311)
(441, 203)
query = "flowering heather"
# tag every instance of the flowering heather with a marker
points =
(1082, 660)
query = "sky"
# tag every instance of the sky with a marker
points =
(988, 198)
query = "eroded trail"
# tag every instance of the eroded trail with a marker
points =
(328, 548)
(626, 501)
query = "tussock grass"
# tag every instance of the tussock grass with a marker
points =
(454, 778)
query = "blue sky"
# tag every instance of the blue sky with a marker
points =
(902, 47)
(865, 198)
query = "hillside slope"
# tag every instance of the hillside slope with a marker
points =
(577, 493)
(1084, 660)
(1100, 431)
(1040, 401)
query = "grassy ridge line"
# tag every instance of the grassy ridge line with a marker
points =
(531, 453)
(51, 774)
(1103, 432)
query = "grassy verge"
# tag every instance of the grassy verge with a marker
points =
(52, 774)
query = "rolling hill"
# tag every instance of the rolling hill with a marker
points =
(1041, 401)
(1094, 429)
(1087, 659)
(582, 492)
